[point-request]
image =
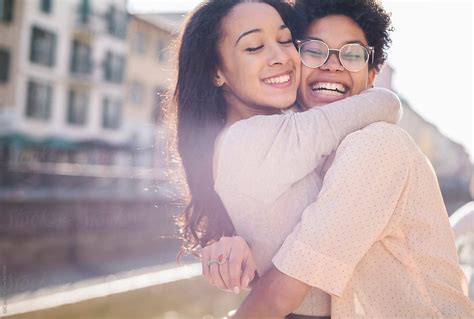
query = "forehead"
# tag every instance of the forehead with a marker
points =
(250, 15)
(336, 30)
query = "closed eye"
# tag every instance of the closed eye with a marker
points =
(315, 53)
(254, 49)
(287, 42)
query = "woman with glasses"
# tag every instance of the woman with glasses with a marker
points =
(376, 237)
(238, 70)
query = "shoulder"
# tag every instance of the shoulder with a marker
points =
(251, 138)
(379, 141)
(241, 147)
(260, 125)
(379, 135)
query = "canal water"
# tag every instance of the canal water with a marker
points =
(45, 243)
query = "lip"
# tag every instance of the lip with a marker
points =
(280, 85)
(285, 72)
(318, 98)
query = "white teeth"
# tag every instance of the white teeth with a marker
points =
(277, 80)
(328, 92)
(330, 87)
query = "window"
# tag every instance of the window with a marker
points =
(84, 11)
(46, 5)
(140, 42)
(39, 100)
(161, 51)
(43, 47)
(6, 10)
(77, 107)
(117, 22)
(81, 58)
(4, 65)
(136, 93)
(114, 67)
(111, 113)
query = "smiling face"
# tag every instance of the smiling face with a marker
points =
(331, 82)
(260, 67)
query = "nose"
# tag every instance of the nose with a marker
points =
(278, 55)
(332, 64)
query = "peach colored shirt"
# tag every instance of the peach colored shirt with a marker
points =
(378, 238)
(265, 170)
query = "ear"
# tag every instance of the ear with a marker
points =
(219, 78)
(371, 78)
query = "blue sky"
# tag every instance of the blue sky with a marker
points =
(432, 54)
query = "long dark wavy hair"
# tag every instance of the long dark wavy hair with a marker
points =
(201, 111)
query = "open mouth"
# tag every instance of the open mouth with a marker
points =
(282, 79)
(330, 88)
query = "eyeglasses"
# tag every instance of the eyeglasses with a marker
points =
(352, 56)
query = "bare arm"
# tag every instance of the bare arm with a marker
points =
(274, 296)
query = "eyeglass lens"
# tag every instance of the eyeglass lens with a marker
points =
(352, 56)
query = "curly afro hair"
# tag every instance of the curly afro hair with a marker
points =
(372, 18)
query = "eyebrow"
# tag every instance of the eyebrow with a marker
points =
(347, 42)
(282, 27)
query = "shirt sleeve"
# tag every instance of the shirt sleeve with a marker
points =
(264, 155)
(360, 194)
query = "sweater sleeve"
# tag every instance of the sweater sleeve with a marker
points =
(362, 192)
(263, 156)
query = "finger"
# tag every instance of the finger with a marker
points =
(214, 272)
(235, 264)
(216, 278)
(225, 249)
(246, 263)
(224, 272)
(248, 273)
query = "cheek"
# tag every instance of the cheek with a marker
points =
(359, 82)
(245, 81)
(295, 57)
(298, 69)
(305, 74)
(239, 71)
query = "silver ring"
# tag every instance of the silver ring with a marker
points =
(212, 261)
(221, 259)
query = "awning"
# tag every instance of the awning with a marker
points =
(52, 142)
(60, 143)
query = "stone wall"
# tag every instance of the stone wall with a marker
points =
(46, 242)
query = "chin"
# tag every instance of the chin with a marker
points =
(279, 104)
(311, 104)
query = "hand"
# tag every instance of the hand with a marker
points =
(236, 268)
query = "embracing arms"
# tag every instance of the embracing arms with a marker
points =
(293, 145)
(360, 195)
(256, 150)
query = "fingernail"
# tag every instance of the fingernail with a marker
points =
(245, 282)
(236, 290)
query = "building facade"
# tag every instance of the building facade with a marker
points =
(148, 74)
(63, 88)
(67, 64)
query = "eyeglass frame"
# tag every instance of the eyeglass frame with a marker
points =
(370, 52)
